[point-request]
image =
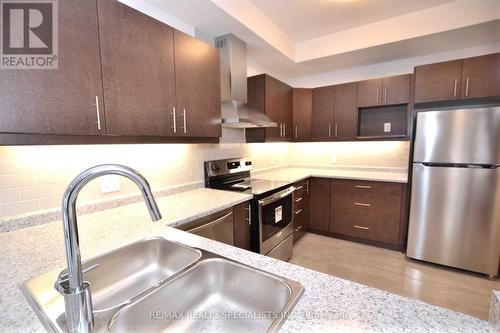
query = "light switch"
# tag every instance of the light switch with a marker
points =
(387, 127)
(110, 183)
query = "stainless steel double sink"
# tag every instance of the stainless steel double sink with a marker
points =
(157, 285)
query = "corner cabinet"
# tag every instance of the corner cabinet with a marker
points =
(122, 77)
(323, 109)
(273, 98)
(302, 102)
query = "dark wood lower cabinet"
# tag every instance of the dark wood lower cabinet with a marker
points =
(241, 219)
(300, 208)
(366, 211)
(319, 204)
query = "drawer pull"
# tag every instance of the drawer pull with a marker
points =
(362, 204)
(363, 186)
(298, 188)
(299, 199)
(298, 228)
(360, 227)
(297, 212)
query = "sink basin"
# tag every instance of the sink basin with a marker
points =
(214, 295)
(130, 270)
(122, 274)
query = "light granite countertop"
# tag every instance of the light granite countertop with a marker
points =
(294, 174)
(328, 304)
(180, 208)
(495, 311)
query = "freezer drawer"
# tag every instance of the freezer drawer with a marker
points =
(468, 136)
(455, 217)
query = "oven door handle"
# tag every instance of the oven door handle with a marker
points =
(276, 196)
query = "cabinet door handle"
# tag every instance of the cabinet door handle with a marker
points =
(98, 113)
(360, 227)
(363, 186)
(385, 95)
(336, 130)
(299, 199)
(297, 212)
(362, 204)
(281, 130)
(377, 95)
(174, 117)
(284, 130)
(467, 87)
(329, 130)
(455, 87)
(249, 219)
(307, 187)
(184, 120)
(296, 131)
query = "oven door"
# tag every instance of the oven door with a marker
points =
(275, 219)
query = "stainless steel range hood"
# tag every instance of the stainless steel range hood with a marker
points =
(236, 113)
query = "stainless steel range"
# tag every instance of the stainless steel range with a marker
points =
(271, 206)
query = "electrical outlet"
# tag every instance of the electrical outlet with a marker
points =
(110, 183)
(387, 127)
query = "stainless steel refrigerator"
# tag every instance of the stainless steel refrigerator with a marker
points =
(455, 195)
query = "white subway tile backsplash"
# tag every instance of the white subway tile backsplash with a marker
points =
(34, 178)
(10, 195)
(20, 207)
(37, 192)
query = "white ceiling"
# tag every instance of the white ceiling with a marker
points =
(414, 31)
(306, 19)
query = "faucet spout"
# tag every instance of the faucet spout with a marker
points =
(79, 315)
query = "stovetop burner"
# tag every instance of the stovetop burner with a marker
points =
(234, 175)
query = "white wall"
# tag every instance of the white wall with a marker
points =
(396, 67)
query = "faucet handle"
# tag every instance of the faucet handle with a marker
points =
(62, 281)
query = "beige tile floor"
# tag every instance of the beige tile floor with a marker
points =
(391, 271)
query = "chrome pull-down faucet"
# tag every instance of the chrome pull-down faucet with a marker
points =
(76, 292)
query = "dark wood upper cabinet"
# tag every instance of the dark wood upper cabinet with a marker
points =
(137, 56)
(346, 113)
(319, 204)
(481, 76)
(396, 89)
(274, 98)
(438, 82)
(323, 113)
(242, 226)
(63, 100)
(384, 91)
(197, 82)
(302, 113)
(369, 92)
